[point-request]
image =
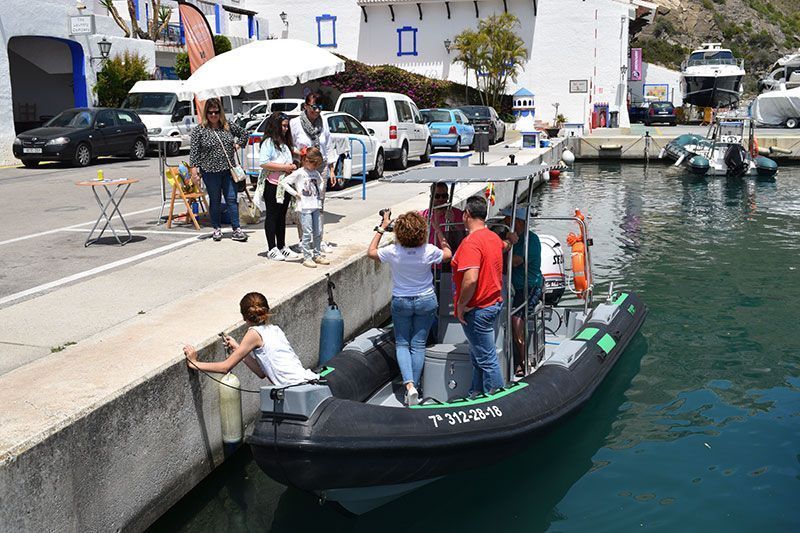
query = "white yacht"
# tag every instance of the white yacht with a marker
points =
(712, 77)
(786, 71)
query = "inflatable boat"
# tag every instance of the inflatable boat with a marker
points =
(349, 439)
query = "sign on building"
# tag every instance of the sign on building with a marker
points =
(656, 92)
(636, 64)
(81, 24)
(579, 86)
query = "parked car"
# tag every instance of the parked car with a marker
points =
(165, 109)
(449, 127)
(485, 118)
(291, 106)
(394, 120)
(663, 112)
(637, 114)
(82, 134)
(342, 126)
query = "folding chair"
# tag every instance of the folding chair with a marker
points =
(174, 178)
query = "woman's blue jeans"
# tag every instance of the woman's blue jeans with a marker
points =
(412, 317)
(479, 330)
(218, 183)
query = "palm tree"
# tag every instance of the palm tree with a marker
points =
(159, 21)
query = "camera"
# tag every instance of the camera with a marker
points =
(387, 211)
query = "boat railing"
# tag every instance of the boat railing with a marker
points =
(711, 62)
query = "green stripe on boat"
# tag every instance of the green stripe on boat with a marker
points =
(622, 297)
(586, 334)
(328, 370)
(607, 343)
(467, 402)
(631, 309)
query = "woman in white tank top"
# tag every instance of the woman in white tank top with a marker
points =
(264, 348)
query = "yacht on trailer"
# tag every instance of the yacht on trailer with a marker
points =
(712, 77)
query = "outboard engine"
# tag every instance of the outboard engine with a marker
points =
(555, 280)
(736, 161)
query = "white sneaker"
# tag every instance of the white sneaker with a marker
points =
(275, 254)
(289, 255)
(412, 397)
(309, 263)
(325, 247)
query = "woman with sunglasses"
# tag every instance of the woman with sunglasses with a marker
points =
(444, 216)
(276, 162)
(214, 144)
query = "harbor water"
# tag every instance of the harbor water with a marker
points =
(696, 428)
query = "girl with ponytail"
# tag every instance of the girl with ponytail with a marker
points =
(264, 348)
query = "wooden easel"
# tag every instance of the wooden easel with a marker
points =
(174, 179)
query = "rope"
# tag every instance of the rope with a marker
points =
(631, 146)
(221, 382)
(590, 144)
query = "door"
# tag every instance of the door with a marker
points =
(405, 126)
(339, 133)
(183, 118)
(358, 131)
(108, 133)
(421, 131)
(131, 128)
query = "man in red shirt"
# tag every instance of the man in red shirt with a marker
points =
(478, 299)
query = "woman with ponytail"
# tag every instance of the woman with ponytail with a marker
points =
(264, 348)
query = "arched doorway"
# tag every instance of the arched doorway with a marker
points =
(48, 75)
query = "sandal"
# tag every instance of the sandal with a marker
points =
(519, 372)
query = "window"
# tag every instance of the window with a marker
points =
(415, 113)
(337, 125)
(150, 103)
(125, 118)
(407, 41)
(326, 31)
(458, 118)
(106, 117)
(436, 115)
(354, 126)
(369, 109)
(403, 111)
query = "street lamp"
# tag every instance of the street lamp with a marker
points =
(283, 18)
(105, 49)
(447, 43)
(623, 70)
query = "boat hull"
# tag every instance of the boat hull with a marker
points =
(712, 91)
(346, 443)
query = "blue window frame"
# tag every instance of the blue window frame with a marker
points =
(218, 18)
(407, 44)
(326, 31)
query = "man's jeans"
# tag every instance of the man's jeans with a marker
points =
(412, 317)
(312, 233)
(479, 329)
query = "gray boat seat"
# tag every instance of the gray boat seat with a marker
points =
(448, 371)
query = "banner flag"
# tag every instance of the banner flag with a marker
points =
(636, 64)
(199, 40)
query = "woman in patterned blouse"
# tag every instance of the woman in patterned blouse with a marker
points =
(213, 146)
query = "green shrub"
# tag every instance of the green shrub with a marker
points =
(660, 52)
(118, 76)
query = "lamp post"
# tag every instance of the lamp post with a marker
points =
(447, 43)
(284, 18)
(105, 48)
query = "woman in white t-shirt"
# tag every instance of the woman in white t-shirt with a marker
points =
(413, 298)
(264, 348)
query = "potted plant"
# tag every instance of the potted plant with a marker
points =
(553, 132)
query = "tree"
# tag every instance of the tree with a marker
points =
(118, 76)
(182, 69)
(495, 53)
(159, 20)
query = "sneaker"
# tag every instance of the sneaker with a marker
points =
(412, 397)
(309, 263)
(321, 260)
(296, 249)
(239, 235)
(326, 247)
(217, 235)
(289, 255)
(275, 254)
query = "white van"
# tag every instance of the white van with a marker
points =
(394, 120)
(164, 109)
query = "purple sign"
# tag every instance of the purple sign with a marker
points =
(636, 64)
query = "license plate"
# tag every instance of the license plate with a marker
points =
(31, 150)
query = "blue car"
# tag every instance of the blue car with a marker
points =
(449, 128)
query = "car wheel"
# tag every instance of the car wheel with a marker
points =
(30, 163)
(139, 150)
(457, 146)
(492, 135)
(792, 123)
(173, 149)
(401, 163)
(426, 155)
(380, 162)
(83, 155)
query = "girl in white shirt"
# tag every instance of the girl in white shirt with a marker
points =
(264, 348)
(414, 302)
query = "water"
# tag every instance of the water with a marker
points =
(698, 425)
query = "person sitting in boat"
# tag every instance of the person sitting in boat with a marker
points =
(414, 302)
(264, 348)
(478, 278)
(443, 215)
(535, 280)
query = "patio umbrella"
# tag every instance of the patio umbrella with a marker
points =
(262, 65)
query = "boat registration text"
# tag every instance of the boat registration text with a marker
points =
(465, 417)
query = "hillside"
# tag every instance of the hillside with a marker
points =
(759, 31)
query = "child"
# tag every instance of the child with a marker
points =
(264, 348)
(307, 187)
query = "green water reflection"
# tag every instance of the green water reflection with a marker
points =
(698, 426)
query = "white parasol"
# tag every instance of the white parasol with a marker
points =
(262, 65)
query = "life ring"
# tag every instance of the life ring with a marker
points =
(578, 263)
(754, 148)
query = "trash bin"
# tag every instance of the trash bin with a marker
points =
(613, 122)
(481, 142)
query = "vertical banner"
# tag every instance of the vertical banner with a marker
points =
(199, 40)
(636, 65)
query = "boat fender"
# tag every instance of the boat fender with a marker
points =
(568, 157)
(331, 329)
(611, 147)
(554, 174)
(777, 150)
(578, 263)
(230, 409)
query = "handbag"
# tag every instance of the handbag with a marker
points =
(237, 172)
(347, 168)
(249, 213)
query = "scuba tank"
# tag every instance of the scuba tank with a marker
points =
(331, 329)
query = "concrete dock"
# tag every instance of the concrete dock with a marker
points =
(107, 434)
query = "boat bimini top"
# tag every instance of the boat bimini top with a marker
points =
(467, 174)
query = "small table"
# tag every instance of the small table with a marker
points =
(121, 186)
(161, 142)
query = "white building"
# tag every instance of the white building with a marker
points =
(578, 49)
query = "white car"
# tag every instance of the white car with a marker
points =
(394, 120)
(253, 117)
(343, 127)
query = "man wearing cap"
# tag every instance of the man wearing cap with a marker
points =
(478, 298)
(535, 280)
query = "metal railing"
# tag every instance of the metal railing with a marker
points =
(363, 177)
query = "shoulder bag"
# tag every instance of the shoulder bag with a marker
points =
(237, 172)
